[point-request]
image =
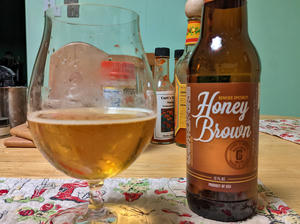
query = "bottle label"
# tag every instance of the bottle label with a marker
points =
(164, 128)
(222, 137)
(180, 105)
(193, 32)
(115, 97)
(112, 96)
(129, 96)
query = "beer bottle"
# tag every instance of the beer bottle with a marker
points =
(192, 35)
(223, 115)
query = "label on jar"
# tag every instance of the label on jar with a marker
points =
(193, 32)
(180, 105)
(115, 97)
(129, 96)
(164, 128)
(222, 137)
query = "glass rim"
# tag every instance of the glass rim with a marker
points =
(50, 13)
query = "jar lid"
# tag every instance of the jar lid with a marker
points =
(162, 52)
(193, 8)
(178, 53)
(117, 70)
(4, 121)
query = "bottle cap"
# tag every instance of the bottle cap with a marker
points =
(178, 53)
(162, 52)
(116, 70)
(193, 8)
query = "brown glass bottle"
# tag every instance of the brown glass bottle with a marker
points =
(223, 115)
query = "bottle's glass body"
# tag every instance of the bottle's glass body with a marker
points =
(180, 78)
(177, 55)
(223, 115)
(164, 128)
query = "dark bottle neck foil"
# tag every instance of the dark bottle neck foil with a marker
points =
(225, 17)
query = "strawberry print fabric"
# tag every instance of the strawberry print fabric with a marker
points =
(152, 201)
(284, 128)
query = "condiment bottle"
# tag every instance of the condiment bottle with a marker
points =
(164, 128)
(192, 35)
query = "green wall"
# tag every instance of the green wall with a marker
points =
(274, 28)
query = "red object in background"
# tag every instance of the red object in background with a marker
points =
(37, 193)
(130, 197)
(186, 222)
(3, 192)
(66, 190)
(57, 207)
(115, 70)
(46, 207)
(281, 210)
(28, 212)
(160, 191)
(177, 213)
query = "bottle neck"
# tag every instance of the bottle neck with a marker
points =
(225, 17)
(161, 67)
(189, 48)
(193, 32)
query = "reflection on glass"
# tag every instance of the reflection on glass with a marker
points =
(216, 43)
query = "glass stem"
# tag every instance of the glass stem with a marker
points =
(96, 200)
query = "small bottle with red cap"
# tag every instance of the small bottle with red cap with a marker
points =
(119, 83)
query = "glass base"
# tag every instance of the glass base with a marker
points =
(82, 215)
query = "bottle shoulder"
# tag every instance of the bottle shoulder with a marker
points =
(166, 88)
(217, 56)
(163, 84)
(182, 67)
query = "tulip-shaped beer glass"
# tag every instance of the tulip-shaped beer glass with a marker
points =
(91, 108)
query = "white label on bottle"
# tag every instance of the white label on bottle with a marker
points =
(164, 128)
(113, 96)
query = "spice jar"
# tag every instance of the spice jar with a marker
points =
(119, 83)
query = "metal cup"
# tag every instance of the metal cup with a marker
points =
(13, 104)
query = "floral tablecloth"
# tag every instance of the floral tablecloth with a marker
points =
(152, 201)
(284, 128)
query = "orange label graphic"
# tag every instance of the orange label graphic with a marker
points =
(222, 133)
(193, 32)
(180, 105)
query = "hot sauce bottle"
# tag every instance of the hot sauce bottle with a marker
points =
(164, 128)
(192, 35)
